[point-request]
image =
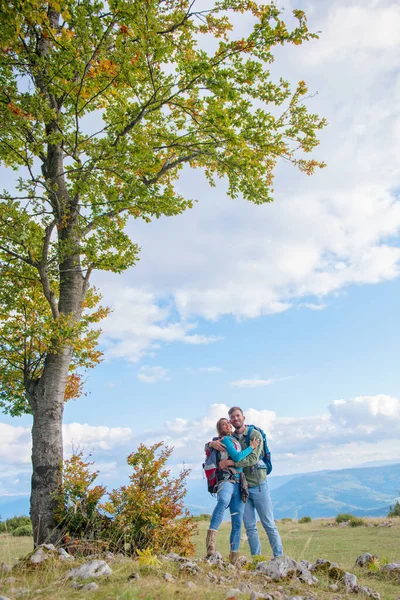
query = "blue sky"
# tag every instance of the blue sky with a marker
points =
(289, 310)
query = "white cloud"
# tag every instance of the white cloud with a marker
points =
(361, 429)
(323, 233)
(203, 370)
(152, 374)
(140, 322)
(253, 383)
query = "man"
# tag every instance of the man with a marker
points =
(256, 475)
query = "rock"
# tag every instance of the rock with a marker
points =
(190, 567)
(190, 584)
(333, 587)
(278, 568)
(3, 598)
(10, 580)
(365, 559)
(222, 580)
(214, 559)
(169, 578)
(134, 577)
(85, 587)
(63, 555)
(49, 547)
(93, 568)
(173, 557)
(246, 588)
(229, 566)
(109, 555)
(212, 577)
(233, 593)
(391, 568)
(39, 556)
(294, 597)
(259, 596)
(350, 582)
(89, 587)
(305, 575)
(4, 568)
(305, 563)
(19, 591)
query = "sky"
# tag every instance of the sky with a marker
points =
(289, 310)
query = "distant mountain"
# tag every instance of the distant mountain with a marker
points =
(360, 491)
(365, 491)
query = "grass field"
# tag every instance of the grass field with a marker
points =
(309, 541)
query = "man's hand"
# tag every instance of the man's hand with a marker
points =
(217, 445)
(226, 463)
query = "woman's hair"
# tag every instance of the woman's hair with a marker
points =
(219, 425)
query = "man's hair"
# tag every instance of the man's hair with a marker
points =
(232, 410)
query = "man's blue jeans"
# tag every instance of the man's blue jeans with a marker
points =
(260, 500)
(229, 495)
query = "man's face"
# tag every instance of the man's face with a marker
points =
(237, 419)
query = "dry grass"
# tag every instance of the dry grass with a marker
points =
(310, 541)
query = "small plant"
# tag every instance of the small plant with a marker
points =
(305, 520)
(256, 559)
(343, 517)
(23, 530)
(394, 510)
(356, 522)
(286, 520)
(146, 558)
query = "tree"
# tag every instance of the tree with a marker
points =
(102, 104)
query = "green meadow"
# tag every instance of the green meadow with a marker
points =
(317, 539)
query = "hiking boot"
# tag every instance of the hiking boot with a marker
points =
(233, 558)
(211, 542)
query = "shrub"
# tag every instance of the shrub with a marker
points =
(202, 517)
(23, 530)
(356, 522)
(11, 524)
(149, 513)
(343, 517)
(146, 515)
(394, 510)
(305, 520)
(77, 503)
(286, 520)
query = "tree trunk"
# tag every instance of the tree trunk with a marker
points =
(47, 403)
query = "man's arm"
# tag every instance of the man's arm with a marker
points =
(254, 457)
(216, 444)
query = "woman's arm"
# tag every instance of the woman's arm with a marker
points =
(233, 453)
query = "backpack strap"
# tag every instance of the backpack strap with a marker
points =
(249, 430)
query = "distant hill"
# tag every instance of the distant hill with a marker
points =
(361, 491)
(364, 491)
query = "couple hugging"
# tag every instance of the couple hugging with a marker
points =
(242, 487)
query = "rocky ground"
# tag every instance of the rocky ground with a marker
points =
(49, 572)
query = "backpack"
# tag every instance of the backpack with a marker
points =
(210, 468)
(266, 457)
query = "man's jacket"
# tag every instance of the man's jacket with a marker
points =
(253, 466)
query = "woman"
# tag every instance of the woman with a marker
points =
(229, 492)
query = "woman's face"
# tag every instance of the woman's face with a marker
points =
(225, 427)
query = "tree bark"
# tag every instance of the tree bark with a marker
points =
(47, 403)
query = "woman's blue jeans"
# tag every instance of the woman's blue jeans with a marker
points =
(229, 495)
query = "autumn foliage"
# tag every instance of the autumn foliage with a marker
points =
(145, 515)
